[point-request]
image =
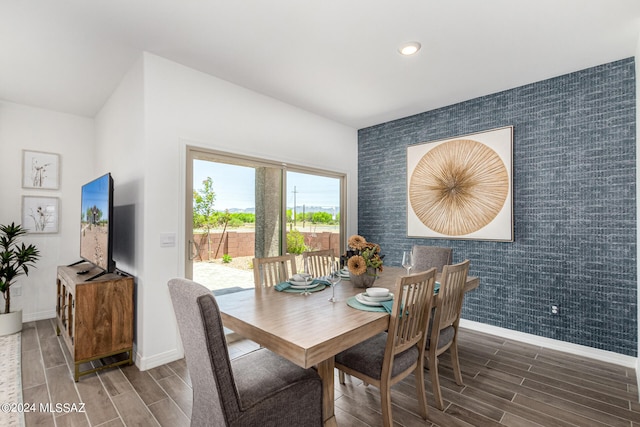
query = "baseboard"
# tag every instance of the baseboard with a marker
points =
(145, 363)
(40, 315)
(574, 349)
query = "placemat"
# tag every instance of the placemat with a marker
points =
(353, 302)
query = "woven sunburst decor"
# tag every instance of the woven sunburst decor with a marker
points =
(458, 187)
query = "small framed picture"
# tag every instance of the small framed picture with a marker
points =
(40, 170)
(40, 214)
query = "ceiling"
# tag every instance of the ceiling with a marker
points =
(335, 58)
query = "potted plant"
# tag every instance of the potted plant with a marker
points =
(15, 260)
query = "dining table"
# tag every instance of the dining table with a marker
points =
(309, 330)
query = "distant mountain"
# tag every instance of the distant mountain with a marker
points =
(299, 209)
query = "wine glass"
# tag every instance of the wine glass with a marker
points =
(307, 278)
(407, 261)
(334, 279)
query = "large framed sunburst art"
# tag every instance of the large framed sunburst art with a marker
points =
(461, 188)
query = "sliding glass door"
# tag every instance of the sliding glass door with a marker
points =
(238, 208)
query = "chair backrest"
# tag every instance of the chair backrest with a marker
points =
(215, 398)
(410, 314)
(425, 257)
(270, 271)
(319, 262)
(450, 296)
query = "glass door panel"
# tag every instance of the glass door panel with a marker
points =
(313, 212)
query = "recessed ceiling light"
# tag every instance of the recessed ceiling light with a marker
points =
(409, 48)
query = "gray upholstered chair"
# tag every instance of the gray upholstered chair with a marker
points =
(319, 262)
(260, 388)
(425, 257)
(443, 329)
(270, 271)
(391, 356)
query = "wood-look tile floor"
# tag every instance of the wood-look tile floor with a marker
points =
(506, 383)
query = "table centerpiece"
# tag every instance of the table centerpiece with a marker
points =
(364, 261)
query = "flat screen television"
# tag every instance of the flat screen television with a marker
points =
(96, 229)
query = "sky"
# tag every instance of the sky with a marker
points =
(235, 186)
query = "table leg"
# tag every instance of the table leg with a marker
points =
(325, 370)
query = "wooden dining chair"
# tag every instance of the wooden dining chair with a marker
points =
(425, 257)
(270, 271)
(319, 262)
(260, 388)
(443, 328)
(389, 357)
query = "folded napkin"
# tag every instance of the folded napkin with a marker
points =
(282, 286)
(387, 305)
(321, 281)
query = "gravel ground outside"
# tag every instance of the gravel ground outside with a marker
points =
(216, 274)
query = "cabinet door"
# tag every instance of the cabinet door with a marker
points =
(104, 314)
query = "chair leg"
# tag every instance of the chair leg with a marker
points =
(435, 382)
(385, 401)
(455, 362)
(422, 394)
(340, 376)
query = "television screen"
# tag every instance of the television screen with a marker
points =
(96, 232)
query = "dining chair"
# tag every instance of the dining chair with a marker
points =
(425, 257)
(319, 262)
(260, 388)
(270, 271)
(389, 357)
(443, 327)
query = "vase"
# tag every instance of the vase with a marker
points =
(10, 323)
(364, 280)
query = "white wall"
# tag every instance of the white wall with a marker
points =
(120, 142)
(183, 106)
(72, 137)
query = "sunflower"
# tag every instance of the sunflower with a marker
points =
(357, 242)
(357, 265)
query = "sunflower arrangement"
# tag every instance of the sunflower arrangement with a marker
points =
(362, 255)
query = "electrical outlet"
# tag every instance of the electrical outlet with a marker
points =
(555, 309)
(16, 291)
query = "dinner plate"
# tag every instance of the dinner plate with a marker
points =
(387, 297)
(361, 300)
(302, 285)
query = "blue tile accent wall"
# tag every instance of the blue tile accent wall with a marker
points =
(574, 196)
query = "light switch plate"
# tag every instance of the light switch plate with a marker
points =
(167, 240)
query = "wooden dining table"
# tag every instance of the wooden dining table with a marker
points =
(309, 330)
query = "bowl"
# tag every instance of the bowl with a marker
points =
(377, 292)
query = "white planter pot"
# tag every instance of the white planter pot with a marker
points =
(10, 323)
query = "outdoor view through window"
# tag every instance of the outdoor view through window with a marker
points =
(226, 204)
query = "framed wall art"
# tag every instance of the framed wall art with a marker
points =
(40, 214)
(461, 188)
(40, 170)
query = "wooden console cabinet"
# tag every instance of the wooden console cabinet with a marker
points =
(95, 317)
